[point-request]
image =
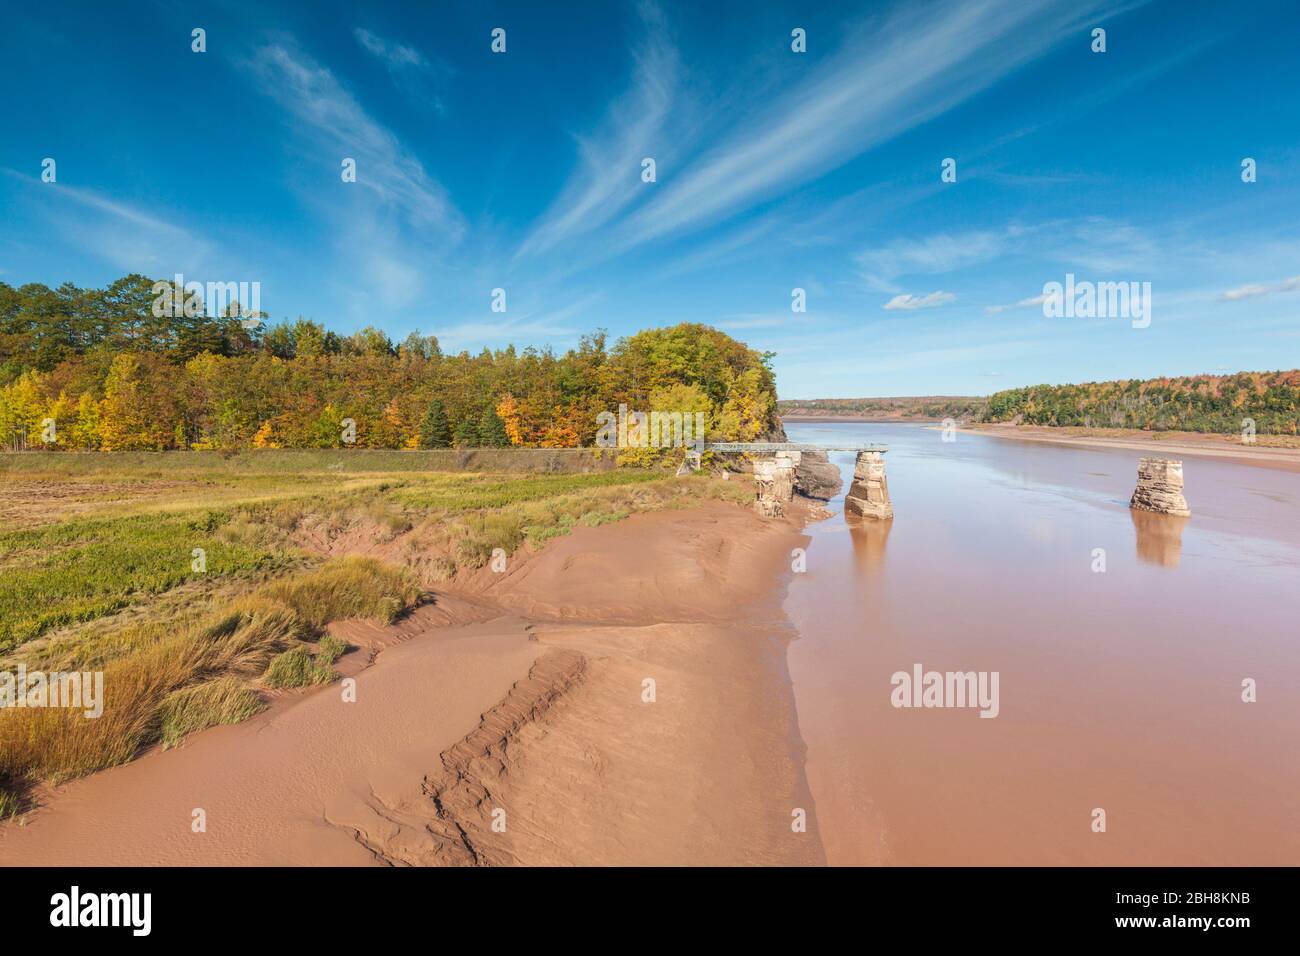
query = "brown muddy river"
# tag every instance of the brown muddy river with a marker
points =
(1118, 691)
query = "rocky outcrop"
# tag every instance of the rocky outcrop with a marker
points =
(773, 485)
(1160, 487)
(816, 476)
(869, 494)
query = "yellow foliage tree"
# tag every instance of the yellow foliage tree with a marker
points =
(265, 437)
(509, 413)
(130, 416)
(85, 430)
(22, 406)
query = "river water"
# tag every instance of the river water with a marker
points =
(1119, 691)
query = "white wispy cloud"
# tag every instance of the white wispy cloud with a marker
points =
(1255, 290)
(397, 55)
(1022, 304)
(886, 79)
(411, 71)
(908, 301)
(608, 175)
(126, 236)
(1092, 246)
(342, 128)
(932, 255)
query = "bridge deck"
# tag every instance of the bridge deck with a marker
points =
(766, 447)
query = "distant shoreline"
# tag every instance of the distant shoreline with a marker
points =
(1186, 443)
(860, 419)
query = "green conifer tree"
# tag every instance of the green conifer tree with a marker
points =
(435, 431)
(492, 430)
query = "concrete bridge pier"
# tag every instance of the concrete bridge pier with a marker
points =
(868, 496)
(773, 485)
(1160, 487)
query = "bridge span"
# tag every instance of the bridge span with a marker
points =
(772, 447)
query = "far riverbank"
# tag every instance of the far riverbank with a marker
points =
(1162, 443)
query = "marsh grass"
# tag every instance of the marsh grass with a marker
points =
(222, 701)
(348, 587)
(331, 648)
(10, 802)
(159, 688)
(298, 667)
(67, 573)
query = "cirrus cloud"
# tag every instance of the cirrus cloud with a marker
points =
(908, 301)
(1255, 290)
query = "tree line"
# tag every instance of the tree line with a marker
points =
(1197, 403)
(97, 369)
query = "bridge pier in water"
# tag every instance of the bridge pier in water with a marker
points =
(775, 478)
(869, 494)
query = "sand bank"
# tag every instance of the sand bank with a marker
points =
(508, 725)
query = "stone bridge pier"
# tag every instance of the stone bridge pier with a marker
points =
(868, 496)
(806, 468)
(773, 485)
(1160, 487)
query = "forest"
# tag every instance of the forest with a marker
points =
(98, 369)
(1196, 403)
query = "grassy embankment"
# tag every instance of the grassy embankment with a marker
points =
(98, 572)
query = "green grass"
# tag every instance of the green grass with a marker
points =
(330, 648)
(222, 701)
(478, 492)
(297, 668)
(61, 574)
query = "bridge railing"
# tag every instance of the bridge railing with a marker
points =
(771, 447)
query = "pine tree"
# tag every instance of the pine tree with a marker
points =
(492, 430)
(466, 434)
(435, 432)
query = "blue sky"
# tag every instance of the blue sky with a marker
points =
(775, 170)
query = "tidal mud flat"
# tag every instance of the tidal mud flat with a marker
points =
(620, 697)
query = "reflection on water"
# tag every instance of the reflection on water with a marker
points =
(869, 539)
(1119, 690)
(1159, 537)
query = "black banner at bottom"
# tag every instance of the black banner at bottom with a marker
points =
(335, 905)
